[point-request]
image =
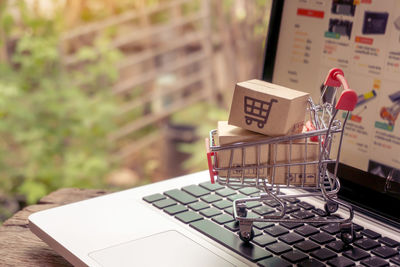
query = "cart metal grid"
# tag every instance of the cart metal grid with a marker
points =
(325, 127)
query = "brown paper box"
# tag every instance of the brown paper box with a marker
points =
(295, 173)
(228, 134)
(267, 108)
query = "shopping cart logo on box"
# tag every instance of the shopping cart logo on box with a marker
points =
(257, 110)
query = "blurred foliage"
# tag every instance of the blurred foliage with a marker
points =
(207, 115)
(53, 122)
(256, 15)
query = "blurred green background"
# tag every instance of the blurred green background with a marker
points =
(115, 94)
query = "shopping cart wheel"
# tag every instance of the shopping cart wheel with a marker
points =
(248, 121)
(260, 125)
(347, 233)
(246, 236)
(331, 207)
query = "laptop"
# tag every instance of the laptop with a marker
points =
(187, 221)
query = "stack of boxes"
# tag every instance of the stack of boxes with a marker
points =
(260, 111)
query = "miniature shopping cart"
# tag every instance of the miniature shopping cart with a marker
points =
(257, 110)
(263, 175)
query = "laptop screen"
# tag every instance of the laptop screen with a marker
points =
(306, 38)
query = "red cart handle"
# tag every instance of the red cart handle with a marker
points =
(348, 98)
(209, 160)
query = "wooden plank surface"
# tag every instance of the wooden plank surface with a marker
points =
(20, 247)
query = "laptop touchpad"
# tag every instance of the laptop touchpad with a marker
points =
(169, 248)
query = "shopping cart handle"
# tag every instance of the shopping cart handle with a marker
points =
(333, 80)
(348, 98)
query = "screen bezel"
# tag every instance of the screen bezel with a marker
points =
(363, 189)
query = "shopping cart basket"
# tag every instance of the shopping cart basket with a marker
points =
(264, 175)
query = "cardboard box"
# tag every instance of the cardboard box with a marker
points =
(267, 108)
(298, 173)
(228, 134)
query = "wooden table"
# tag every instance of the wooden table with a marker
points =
(20, 247)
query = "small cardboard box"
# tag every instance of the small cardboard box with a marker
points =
(228, 134)
(267, 108)
(297, 174)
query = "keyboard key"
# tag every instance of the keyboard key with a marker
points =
(264, 210)
(249, 191)
(210, 186)
(196, 190)
(253, 204)
(274, 262)
(384, 252)
(223, 218)
(371, 234)
(323, 254)
(264, 240)
(289, 208)
(291, 225)
(311, 263)
(307, 246)
(341, 262)
(233, 226)
(188, 216)
(172, 210)
(389, 242)
(291, 238)
(211, 198)
(198, 206)
(292, 200)
(303, 214)
(319, 212)
(272, 203)
(375, 262)
(225, 192)
(278, 248)
(395, 259)
(322, 238)
(306, 230)
(305, 205)
(317, 224)
(356, 254)
(180, 196)
(164, 203)
(237, 196)
(230, 240)
(257, 232)
(338, 246)
(153, 198)
(331, 228)
(222, 204)
(263, 225)
(229, 210)
(276, 230)
(366, 243)
(294, 256)
(357, 227)
(252, 215)
(210, 212)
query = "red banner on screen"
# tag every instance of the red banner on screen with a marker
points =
(310, 13)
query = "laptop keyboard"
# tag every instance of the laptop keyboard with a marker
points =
(208, 209)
